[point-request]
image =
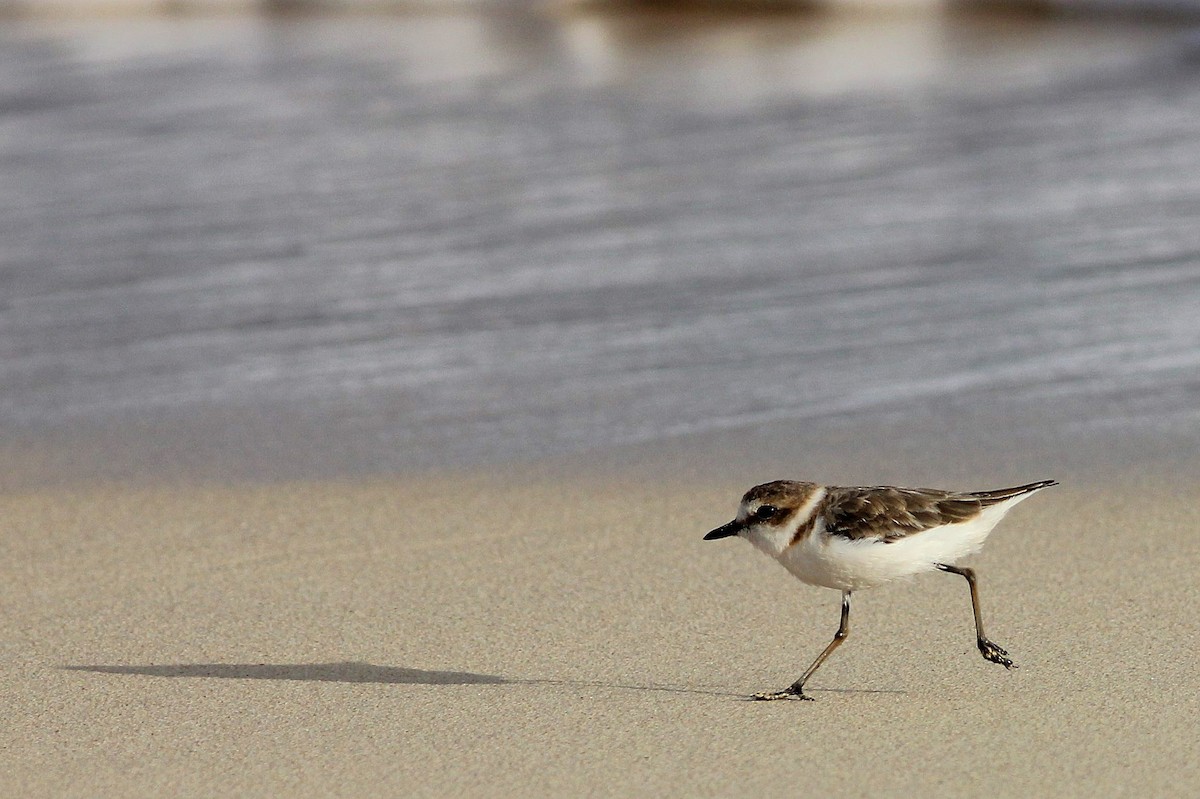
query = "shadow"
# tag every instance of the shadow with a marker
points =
(810, 691)
(667, 689)
(364, 673)
(350, 672)
(316, 672)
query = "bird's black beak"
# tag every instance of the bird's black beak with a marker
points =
(724, 531)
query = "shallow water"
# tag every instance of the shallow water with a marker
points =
(464, 237)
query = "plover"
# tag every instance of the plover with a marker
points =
(849, 538)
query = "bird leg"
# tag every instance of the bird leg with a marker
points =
(989, 650)
(796, 689)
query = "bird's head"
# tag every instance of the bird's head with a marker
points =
(769, 514)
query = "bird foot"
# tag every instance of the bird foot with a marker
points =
(995, 654)
(786, 693)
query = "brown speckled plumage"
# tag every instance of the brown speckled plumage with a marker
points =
(888, 513)
(883, 513)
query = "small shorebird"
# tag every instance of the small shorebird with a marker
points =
(849, 538)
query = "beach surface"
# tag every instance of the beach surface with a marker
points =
(561, 629)
(367, 386)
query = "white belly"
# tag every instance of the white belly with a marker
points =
(836, 562)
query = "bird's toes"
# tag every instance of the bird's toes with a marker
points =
(995, 654)
(787, 693)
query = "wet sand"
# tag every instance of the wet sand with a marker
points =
(597, 228)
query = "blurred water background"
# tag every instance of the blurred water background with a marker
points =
(435, 238)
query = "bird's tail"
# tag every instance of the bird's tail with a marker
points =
(1002, 494)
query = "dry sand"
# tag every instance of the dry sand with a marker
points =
(564, 631)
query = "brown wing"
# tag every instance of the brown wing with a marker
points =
(887, 513)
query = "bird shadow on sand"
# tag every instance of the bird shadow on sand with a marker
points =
(350, 672)
(307, 672)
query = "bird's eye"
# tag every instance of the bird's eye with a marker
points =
(766, 512)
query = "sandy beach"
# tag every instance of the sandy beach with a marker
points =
(562, 630)
(367, 386)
